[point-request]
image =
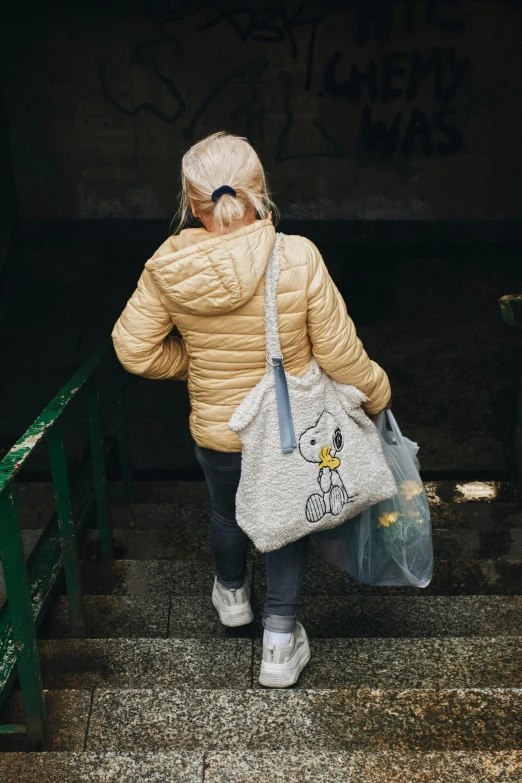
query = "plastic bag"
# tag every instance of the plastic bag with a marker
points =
(389, 543)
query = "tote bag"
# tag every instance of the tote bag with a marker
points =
(311, 456)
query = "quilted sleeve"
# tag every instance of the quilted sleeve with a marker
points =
(335, 344)
(142, 338)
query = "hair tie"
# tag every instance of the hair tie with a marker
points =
(221, 192)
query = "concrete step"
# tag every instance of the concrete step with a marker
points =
(184, 540)
(387, 766)
(317, 720)
(335, 663)
(187, 538)
(29, 541)
(384, 766)
(482, 517)
(36, 501)
(409, 663)
(187, 577)
(186, 543)
(144, 663)
(449, 500)
(474, 544)
(438, 491)
(181, 539)
(338, 719)
(447, 491)
(147, 577)
(395, 616)
(68, 718)
(170, 767)
(451, 577)
(125, 617)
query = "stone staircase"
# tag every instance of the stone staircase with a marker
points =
(404, 686)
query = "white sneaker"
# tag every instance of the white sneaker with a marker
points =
(282, 664)
(233, 606)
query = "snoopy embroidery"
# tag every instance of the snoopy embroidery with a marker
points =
(321, 444)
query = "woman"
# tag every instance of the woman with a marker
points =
(208, 282)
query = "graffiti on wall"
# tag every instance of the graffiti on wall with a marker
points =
(392, 82)
(396, 78)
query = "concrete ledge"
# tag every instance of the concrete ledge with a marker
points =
(335, 663)
(346, 617)
(192, 577)
(266, 766)
(146, 663)
(410, 663)
(362, 767)
(101, 768)
(112, 617)
(68, 717)
(321, 720)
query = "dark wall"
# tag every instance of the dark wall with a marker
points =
(8, 205)
(361, 110)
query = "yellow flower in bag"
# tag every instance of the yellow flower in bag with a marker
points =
(417, 516)
(409, 489)
(385, 520)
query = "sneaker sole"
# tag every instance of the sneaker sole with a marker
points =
(273, 675)
(233, 616)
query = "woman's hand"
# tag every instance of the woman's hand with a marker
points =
(375, 416)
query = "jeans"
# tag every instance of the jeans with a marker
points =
(285, 567)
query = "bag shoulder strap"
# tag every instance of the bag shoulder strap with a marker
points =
(272, 273)
(273, 349)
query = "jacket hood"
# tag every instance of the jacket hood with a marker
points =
(208, 274)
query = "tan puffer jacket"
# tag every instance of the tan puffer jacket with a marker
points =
(211, 288)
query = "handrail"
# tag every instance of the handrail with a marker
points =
(23, 448)
(29, 589)
(511, 309)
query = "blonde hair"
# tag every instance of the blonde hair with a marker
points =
(223, 159)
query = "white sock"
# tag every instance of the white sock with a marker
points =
(271, 637)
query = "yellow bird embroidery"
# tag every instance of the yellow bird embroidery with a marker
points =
(327, 461)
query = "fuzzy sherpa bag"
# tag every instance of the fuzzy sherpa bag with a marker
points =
(311, 456)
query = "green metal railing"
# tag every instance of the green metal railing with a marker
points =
(30, 586)
(511, 309)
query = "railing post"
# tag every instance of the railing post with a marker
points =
(122, 431)
(69, 546)
(22, 621)
(98, 466)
